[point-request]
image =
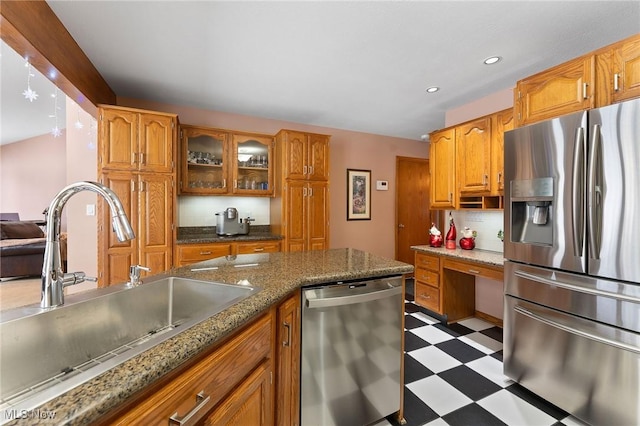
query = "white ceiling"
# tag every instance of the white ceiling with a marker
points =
(20, 118)
(361, 65)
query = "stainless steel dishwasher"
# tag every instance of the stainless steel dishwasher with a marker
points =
(351, 351)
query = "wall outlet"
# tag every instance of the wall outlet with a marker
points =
(91, 209)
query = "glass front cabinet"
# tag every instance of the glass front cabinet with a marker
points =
(220, 162)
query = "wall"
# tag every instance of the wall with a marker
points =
(348, 149)
(82, 235)
(32, 172)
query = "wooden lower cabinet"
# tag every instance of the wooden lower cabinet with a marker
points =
(253, 378)
(231, 385)
(447, 286)
(288, 356)
(187, 254)
(427, 281)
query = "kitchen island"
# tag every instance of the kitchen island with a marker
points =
(278, 275)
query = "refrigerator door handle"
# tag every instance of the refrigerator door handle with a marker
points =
(577, 193)
(594, 195)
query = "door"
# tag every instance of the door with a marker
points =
(413, 217)
(544, 165)
(613, 191)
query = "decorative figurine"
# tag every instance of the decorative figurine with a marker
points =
(468, 240)
(435, 236)
(450, 240)
(501, 235)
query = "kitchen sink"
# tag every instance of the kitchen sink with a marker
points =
(45, 353)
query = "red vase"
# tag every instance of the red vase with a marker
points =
(467, 243)
(435, 240)
(450, 240)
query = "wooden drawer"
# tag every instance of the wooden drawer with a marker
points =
(428, 261)
(259, 247)
(192, 253)
(427, 277)
(427, 296)
(492, 272)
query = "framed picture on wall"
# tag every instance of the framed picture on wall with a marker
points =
(358, 194)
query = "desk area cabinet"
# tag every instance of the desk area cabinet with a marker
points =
(445, 279)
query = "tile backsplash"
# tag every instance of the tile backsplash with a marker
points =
(486, 223)
(201, 211)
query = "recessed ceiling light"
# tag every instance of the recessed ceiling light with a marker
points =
(432, 89)
(492, 60)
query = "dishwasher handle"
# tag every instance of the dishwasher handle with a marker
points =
(315, 302)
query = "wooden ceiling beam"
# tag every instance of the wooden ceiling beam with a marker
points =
(35, 32)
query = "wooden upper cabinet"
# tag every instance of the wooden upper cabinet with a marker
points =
(442, 166)
(318, 157)
(502, 121)
(306, 155)
(560, 90)
(473, 146)
(618, 72)
(136, 140)
(251, 156)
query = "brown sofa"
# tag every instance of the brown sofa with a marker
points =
(22, 247)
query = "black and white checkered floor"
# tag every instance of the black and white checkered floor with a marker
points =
(453, 376)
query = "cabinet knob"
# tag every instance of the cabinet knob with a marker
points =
(616, 82)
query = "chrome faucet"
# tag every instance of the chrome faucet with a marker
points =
(134, 275)
(54, 280)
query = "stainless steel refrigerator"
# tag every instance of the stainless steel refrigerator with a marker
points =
(572, 275)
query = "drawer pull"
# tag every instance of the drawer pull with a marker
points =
(203, 253)
(258, 249)
(474, 271)
(288, 327)
(424, 296)
(201, 400)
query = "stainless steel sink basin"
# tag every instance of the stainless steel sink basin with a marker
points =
(46, 353)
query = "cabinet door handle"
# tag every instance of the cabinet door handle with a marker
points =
(310, 170)
(134, 160)
(224, 183)
(616, 82)
(304, 170)
(133, 185)
(310, 192)
(304, 192)
(485, 180)
(499, 177)
(235, 183)
(288, 327)
(201, 401)
(142, 158)
(584, 90)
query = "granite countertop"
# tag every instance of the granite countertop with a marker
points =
(207, 234)
(487, 257)
(277, 274)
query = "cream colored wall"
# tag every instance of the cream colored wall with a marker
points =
(348, 150)
(82, 165)
(32, 172)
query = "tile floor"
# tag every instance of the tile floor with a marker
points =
(453, 376)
